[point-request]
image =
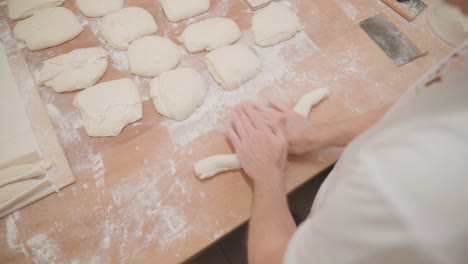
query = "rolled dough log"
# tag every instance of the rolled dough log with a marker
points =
(305, 104)
(233, 65)
(122, 27)
(47, 28)
(108, 107)
(210, 34)
(150, 56)
(75, 70)
(99, 8)
(274, 24)
(211, 166)
(21, 9)
(178, 93)
(178, 10)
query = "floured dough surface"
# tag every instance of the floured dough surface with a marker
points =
(17, 140)
(274, 24)
(178, 93)
(210, 34)
(20, 9)
(47, 28)
(177, 10)
(233, 65)
(99, 8)
(76, 70)
(122, 27)
(108, 107)
(150, 56)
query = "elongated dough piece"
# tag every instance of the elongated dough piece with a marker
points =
(212, 166)
(23, 172)
(310, 100)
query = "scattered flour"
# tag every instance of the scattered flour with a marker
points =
(11, 45)
(43, 249)
(14, 243)
(276, 62)
(68, 124)
(348, 9)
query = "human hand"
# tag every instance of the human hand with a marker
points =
(260, 143)
(302, 136)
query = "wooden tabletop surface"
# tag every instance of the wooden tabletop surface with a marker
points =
(136, 199)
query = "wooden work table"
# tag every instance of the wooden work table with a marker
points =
(136, 199)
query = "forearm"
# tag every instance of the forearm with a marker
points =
(341, 133)
(271, 224)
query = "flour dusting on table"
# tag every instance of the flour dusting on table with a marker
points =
(276, 62)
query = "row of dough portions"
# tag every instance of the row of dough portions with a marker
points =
(175, 10)
(231, 66)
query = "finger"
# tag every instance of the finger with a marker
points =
(278, 106)
(238, 124)
(259, 119)
(279, 128)
(231, 133)
(246, 122)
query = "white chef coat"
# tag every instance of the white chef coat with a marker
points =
(399, 193)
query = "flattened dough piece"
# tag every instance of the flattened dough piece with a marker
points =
(233, 65)
(178, 93)
(150, 56)
(99, 8)
(21, 9)
(177, 10)
(210, 34)
(17, 140)
(108, 107)
(214, 165)
(76, 70)
(122, 27)
(47, 28)
(274, 24)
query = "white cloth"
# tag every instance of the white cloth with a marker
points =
(399, 193)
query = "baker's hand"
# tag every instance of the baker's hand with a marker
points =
(302, 136)
(260, 143)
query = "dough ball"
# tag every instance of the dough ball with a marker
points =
(150, 56)
(75, 70)
(108, 107)
(274, 24)
(122, 27)
(210, 34)
(178, 93)
(177, 10)
(99, 8)
(232, 66)
(21, 9)
(47, 28)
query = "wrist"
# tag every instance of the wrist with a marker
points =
(316, 137)
(270, 180)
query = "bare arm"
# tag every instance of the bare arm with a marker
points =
(304, 136)
(271, 224)
(262, 146)
(341, 133)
